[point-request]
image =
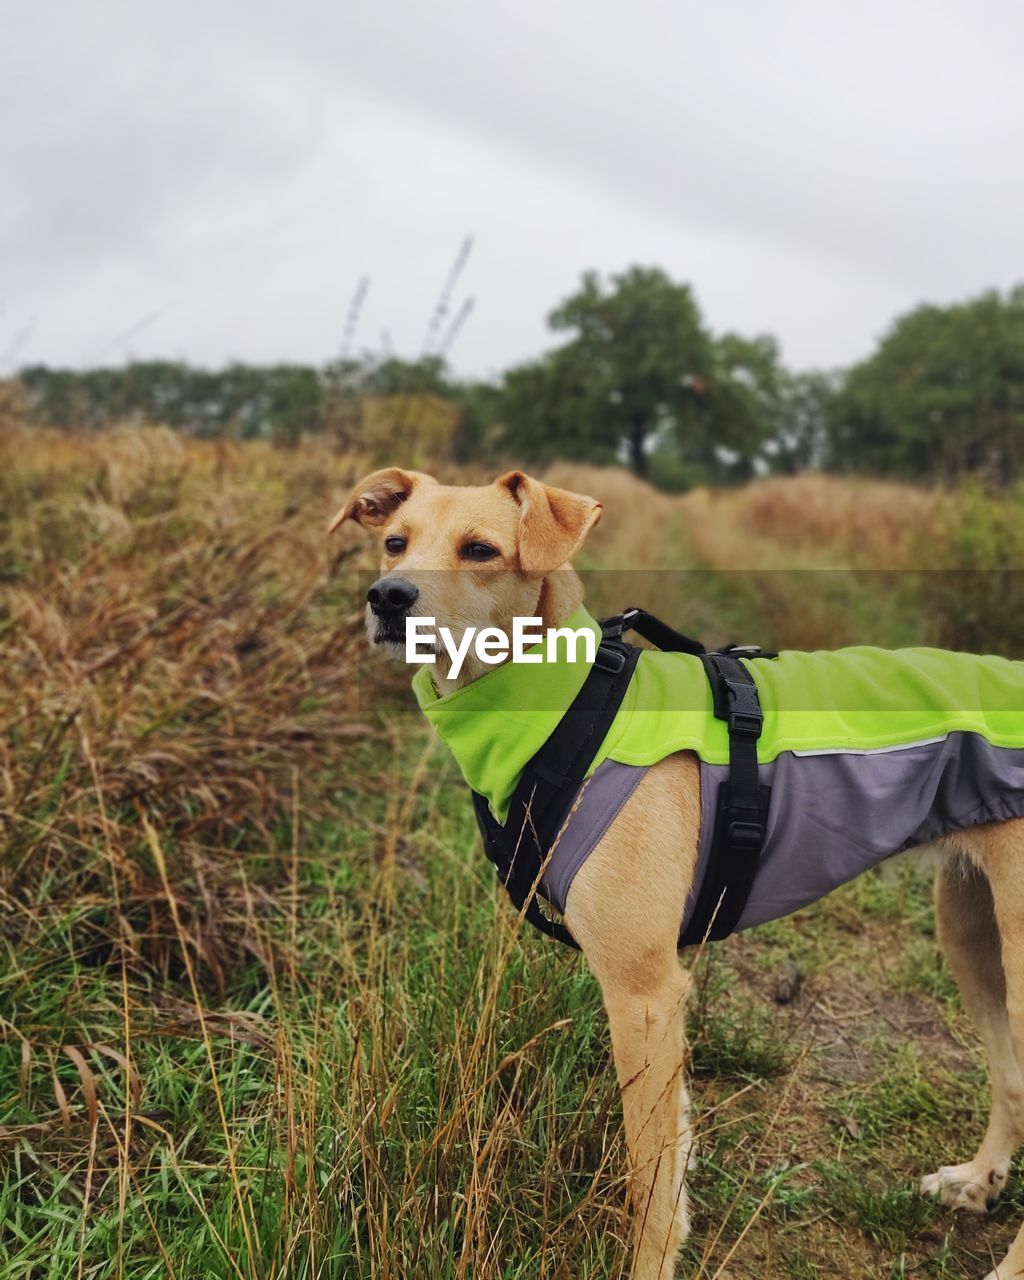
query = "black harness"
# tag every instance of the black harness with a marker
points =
(544, 794)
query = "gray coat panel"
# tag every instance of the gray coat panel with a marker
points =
(832, 815)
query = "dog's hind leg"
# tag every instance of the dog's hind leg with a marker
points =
(969, 937)
(625, 908)
(999, 850)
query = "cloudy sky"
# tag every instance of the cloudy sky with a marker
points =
(212, 180)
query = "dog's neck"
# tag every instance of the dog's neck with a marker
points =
(559, 595)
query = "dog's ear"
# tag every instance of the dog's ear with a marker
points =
(553, 522)
(373, 499)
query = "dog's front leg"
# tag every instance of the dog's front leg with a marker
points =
(625, 907)
(649, 1051)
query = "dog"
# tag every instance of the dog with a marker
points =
(480, 556)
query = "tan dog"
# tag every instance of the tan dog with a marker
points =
(507, 540)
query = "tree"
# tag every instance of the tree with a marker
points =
(548, 409)
(277, 401)
(943, 394)
(801, 415)
(641, 379)
(636, 357)
(479, 405)
(741, 404)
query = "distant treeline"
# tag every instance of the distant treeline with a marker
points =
(637, 379)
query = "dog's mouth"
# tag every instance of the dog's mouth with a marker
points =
(389, 633)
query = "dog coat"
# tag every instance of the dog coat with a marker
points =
(867, 751)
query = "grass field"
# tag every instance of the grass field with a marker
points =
(263, 1012)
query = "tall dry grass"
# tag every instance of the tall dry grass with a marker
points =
(175, 637)
(823, 561)
(866, 523)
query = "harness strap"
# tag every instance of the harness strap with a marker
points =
(548, 784)
(659, 633)
(742, 809)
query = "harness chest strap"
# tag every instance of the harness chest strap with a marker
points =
(549, 782)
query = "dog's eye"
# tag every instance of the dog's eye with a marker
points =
(478, 551)
(394, 546)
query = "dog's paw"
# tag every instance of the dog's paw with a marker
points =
(966, 1186)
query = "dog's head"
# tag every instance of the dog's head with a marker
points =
(468, 556)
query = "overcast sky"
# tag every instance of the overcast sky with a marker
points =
(212, 180)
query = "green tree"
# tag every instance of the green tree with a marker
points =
(733, 413)
(275, 401)
(637, 351)
(741, 405)
(548, 409)
(801, 415)
(479, 405)
(641, 379)
(942, 395)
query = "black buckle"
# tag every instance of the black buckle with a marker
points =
(744, 710)
(613, 627)
(618, 624)
(744, 835)
(611, 657)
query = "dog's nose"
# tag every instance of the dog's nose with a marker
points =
(389, 597)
